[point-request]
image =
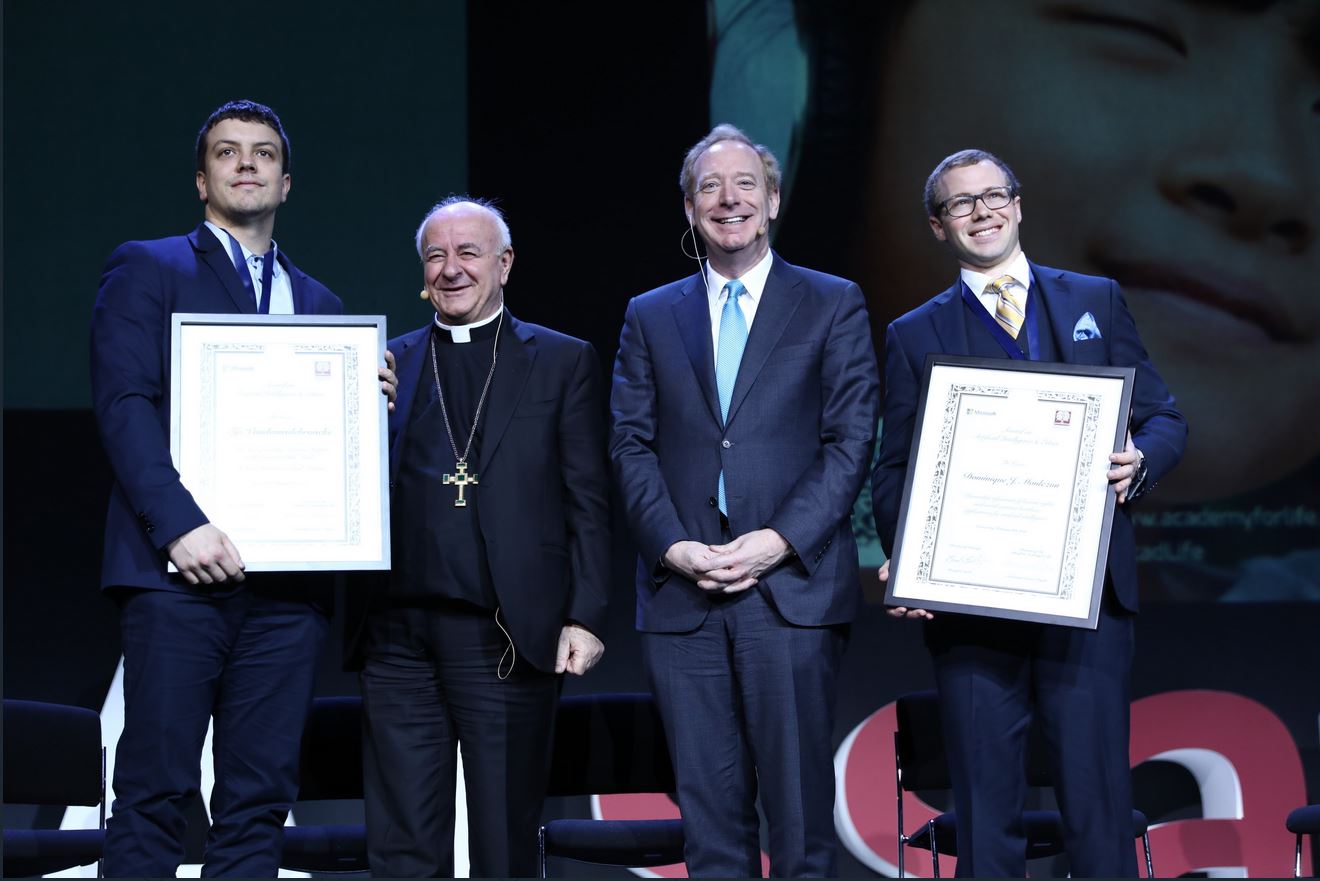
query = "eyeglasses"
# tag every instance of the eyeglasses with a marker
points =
(993, 199)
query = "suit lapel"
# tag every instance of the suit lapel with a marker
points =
(409, 362)
(297, 284)
(517, 352)
(216, 255)
(949, 318)
(1064, 308)
(692, 315)
(779, 300)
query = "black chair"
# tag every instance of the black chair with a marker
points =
(1303, 821)
(920, 764)
(604, 744)
(52, 757)
(330, 768)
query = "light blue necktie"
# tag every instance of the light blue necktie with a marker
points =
(733, 339)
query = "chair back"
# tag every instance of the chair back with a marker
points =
(919, 744)
(330, 769)
(52, 754)
(609, 743)
(330, 764)
(52, 757)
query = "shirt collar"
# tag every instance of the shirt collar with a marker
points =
(221, 232)
(1019, 268)
(753, 279)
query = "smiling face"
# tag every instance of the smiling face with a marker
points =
(1174, 146)
(242, 179)
(987, 239)
(464, 263)
(732, 207)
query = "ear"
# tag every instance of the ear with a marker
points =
(938, 229)
(506, 264)
(288, 185)
(774, 204)
(687, 209)
(201, 185)
(1017, 206)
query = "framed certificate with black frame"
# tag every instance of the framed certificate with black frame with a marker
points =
(279, 430)
(1006, 507)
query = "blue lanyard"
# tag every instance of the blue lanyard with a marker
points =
(1006, 342)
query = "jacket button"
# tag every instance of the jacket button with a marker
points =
(726, 444)
(713, 502)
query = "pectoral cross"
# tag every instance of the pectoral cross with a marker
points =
(462, 480)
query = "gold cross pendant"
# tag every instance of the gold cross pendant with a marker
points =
(462, 480)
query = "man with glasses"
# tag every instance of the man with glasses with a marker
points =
(994, 675)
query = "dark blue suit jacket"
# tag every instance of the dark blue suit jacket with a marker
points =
(800, 434)
(543, 479)
(940, 326)
(143, 284)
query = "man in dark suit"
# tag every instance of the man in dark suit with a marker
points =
(744, 407)
(992, 674)
(204, 642)
(500, 512)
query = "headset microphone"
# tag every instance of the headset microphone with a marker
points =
(424, 295)
(696, 255)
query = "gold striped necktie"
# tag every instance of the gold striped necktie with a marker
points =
(1009, 311)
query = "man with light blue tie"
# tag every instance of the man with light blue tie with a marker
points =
(995, 675)
(744, 411)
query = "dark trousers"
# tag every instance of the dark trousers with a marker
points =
(429, 684)
(248, 661)
(993, 676)
(748, 699)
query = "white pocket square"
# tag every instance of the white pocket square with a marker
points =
(1085, 328)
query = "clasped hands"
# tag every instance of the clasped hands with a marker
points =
(732, 567)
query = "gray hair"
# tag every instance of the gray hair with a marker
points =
(687, 178)
(961, 159)
(506, 241)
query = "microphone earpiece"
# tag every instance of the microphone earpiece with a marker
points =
(424, 295)
(682, 244)
(760, 231)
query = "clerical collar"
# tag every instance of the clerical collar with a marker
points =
(466, 333)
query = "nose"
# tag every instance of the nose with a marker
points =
(1250, 196)
(728, 193)
(247, 162)
(451, 271)
(1252, 178)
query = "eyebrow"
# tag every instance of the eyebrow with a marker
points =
(233, 143)
(716, 175)
(459, 247)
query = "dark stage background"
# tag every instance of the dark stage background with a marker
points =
(1172, 145)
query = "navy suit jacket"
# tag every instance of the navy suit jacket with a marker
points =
(143, 284)
(799, 438)
(940, 326)
(543, 503)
